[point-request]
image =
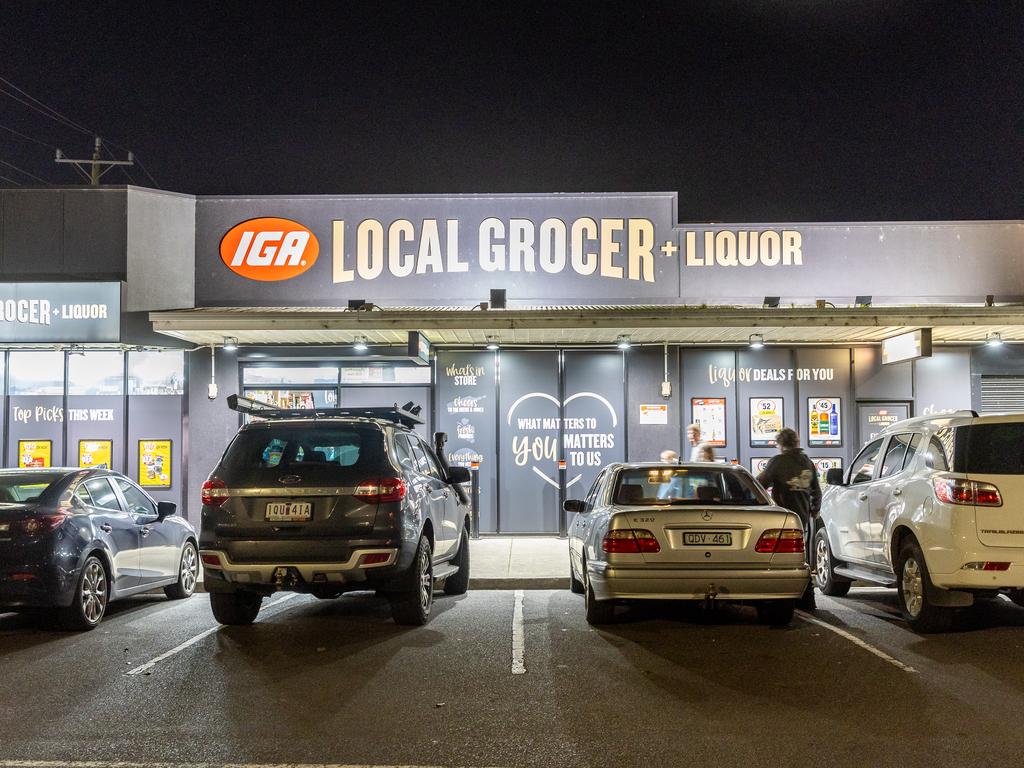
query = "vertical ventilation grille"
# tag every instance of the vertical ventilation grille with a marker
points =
(1002, 393)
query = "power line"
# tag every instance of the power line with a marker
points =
(8, 178)
(27, 137)
(53, 112)
(22, 170)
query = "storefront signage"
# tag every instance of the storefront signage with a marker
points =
(155, 463)
(60, 312)
(418, 347)
(654, 413)
(95, 453)
(55, 414)
(269, 249)
(758, 465)
(825, 421)
(823, 465)
(907, 346)
(34, 453)
(727, 375)
(766, 420)
(709, 415)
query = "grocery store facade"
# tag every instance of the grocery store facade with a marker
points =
(532, 329)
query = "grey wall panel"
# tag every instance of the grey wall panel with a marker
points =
(33, 232)
(529, 413)
(376, 397)
(158, 417)
(35, 417)
(942, 382)
(764, 373)
(645, 371)
(211, 424)
(95, 232)
(825, 373)
(160, 251)
(711, 373)
(874, 381)
(594, 412)
(98, 417)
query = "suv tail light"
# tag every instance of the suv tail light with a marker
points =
(40, 525)
(953, 490)
(380, 490)
(630, 541)
(780, 541)
(214, 492)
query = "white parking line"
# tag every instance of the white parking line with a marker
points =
(143, 668)
(518, 636)
(857, 641)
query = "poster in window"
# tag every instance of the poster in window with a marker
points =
(758, 465)
(766, 420)
(155, 463)
(824, 421)
(709, 415)
(825, 464)
(34, 453)
(95, 453)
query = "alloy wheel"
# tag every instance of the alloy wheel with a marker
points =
(189, 569)
(426, 581)
(912, 587)
(821, 563)
(94, 592)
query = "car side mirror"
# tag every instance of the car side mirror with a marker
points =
(834, 476)
(574, 505)
(458, 475)
(165, 509)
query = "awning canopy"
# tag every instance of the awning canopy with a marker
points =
(584, 325)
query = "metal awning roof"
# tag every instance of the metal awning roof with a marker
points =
(583, 325)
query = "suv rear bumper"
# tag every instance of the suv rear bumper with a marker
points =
(224, 575)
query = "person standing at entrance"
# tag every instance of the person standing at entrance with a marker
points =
(699, 450)
(793, 480)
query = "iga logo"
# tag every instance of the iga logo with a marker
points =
(269, 249)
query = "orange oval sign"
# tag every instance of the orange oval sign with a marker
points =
(269, 249)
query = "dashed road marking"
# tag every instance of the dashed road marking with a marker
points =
(858, 642)
(518, 636)
(143, 668)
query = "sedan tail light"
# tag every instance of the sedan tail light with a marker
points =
(630, 541)
(954, 490)
(380, 490)
(781, 541)
(39, 525)
(214, 492)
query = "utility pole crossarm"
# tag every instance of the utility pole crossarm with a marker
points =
(96, 166)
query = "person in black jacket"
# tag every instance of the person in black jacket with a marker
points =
(793, 480)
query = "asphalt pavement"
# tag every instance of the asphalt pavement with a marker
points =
(338, 683)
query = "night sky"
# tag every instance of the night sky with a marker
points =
(770, 111)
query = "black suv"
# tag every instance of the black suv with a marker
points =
(331, 501)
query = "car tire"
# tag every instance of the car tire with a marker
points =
(912, 586)
(92, 593)
(235, 609)
(1017, 595)
(824, 568)
(188, 574)
(776, 613)
(575, 585)
(598, 611)
(414, 594)
(458, 583)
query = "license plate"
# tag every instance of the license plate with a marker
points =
(289, 511)
(713, 539)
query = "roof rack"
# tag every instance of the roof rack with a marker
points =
(407, 415)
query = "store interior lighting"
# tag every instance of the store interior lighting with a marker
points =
(359, 344)
(230, 343)
(492, 343)
(623, 342)
(994, 340)
(756, 341)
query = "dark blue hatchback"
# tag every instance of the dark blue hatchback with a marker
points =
(72, 540)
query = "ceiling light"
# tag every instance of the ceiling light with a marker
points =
(230, 343)
(756, 341)
(492, 343)
(994, 340)
(623, 342)
(359, 344)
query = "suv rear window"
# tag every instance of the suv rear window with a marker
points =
(990, 449)
(305, 446)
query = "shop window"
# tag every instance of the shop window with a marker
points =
(156, 373)
(263, 375)
(385, 374)
(96, 373)
(37, 373)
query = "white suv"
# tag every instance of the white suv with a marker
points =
(935, 506)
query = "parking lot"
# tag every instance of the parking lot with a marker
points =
(338, 683)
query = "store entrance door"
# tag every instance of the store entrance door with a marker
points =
(872, 418)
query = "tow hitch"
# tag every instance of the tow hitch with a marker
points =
(286, 577)
(710, 593)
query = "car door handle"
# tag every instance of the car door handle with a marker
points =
(106, 527)
(897, 492)
(863, 497)
(145, 530)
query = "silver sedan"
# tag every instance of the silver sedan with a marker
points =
(684, 532)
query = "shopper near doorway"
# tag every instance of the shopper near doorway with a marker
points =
(793, 480)
(699, 450)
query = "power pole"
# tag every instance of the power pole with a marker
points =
(97, 167)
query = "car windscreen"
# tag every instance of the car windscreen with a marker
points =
(25, 487)
(283, 447)
(990, 449)
(685, 485)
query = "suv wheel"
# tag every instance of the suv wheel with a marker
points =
(458, 583)
(913, 584)
(414, 595)
(188, 574)
(235, 608)
(824, 573)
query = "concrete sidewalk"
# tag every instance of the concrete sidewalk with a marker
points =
(519, 562)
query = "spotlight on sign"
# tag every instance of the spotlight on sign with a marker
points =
(230, 343)
(497, 298)
(623, 342)
(359, 344)
(756, 341)
(994, 340)
(492, 343)
(772, 302)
